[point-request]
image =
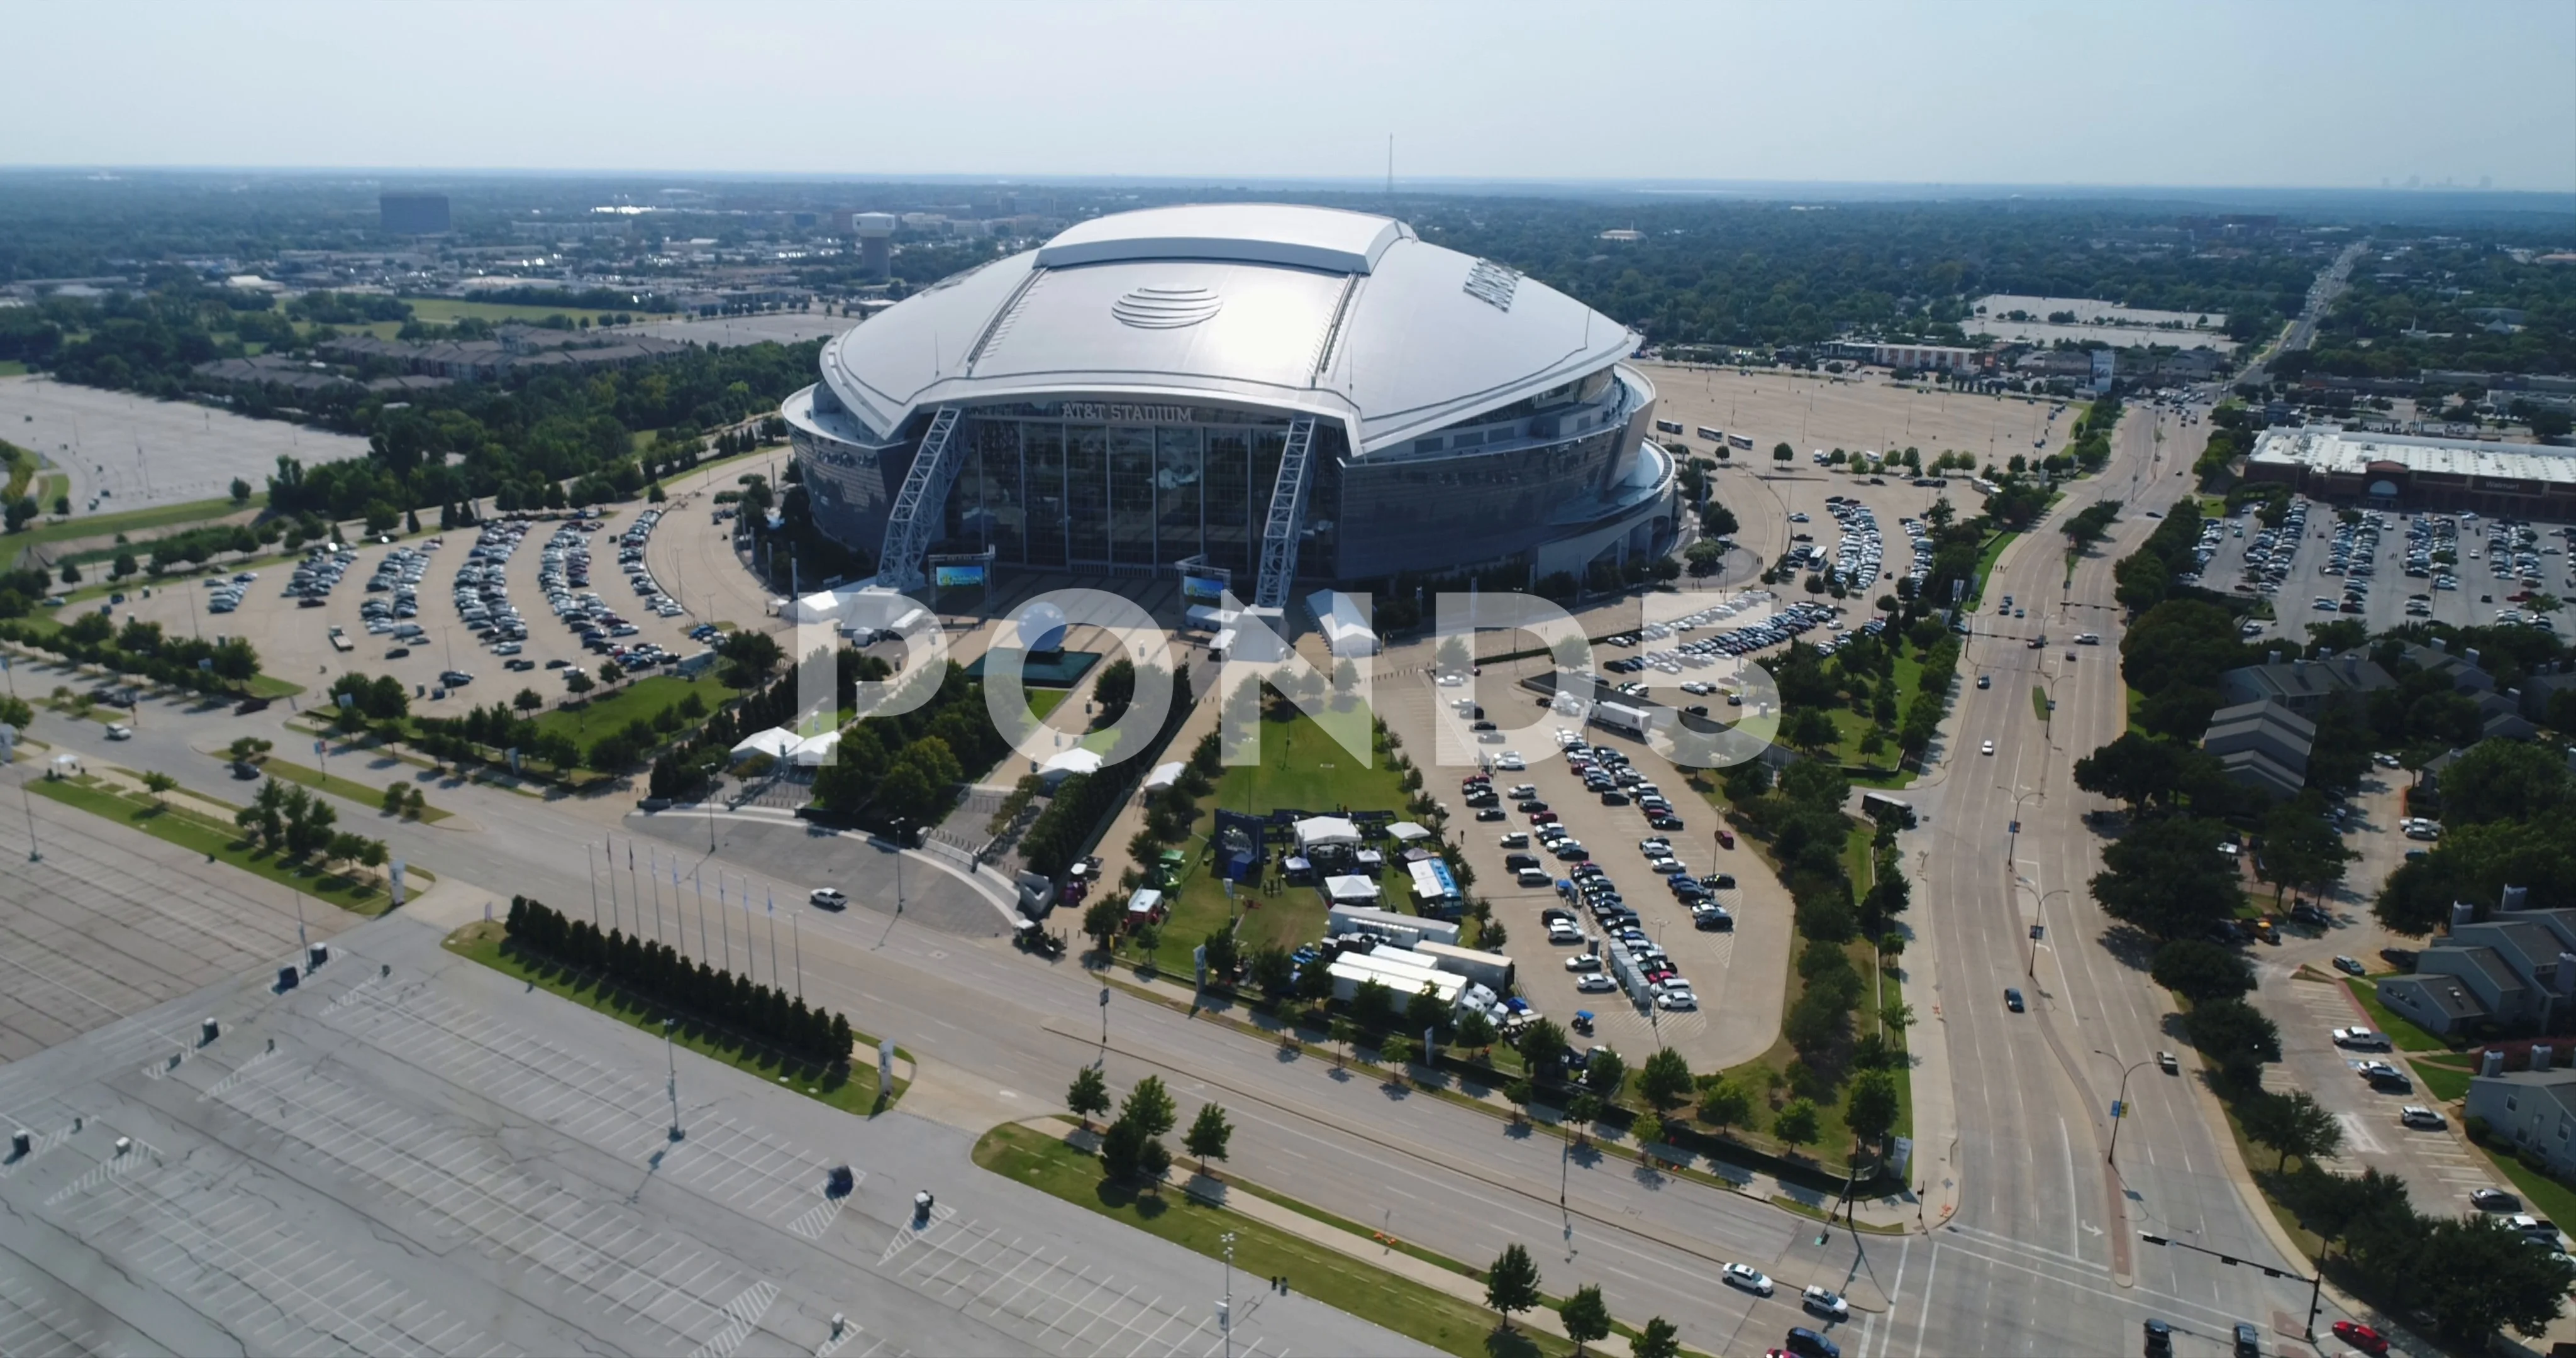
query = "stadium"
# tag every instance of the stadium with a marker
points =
(1257, 393)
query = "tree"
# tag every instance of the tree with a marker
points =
(2291, 1123)
(1208, 1135)
(1782, 452)
(577, 683)
(2235, 1034)
(2168, 878)
(2477, 1275)
(1424, 1012)
(1346, 1037)
(1604, 1072)
(1664, 1081)
(1648, 1128)
(1796, 1125)
(1149, 1106)
(2136, 769)
(527, 701)
(610, 672)
(1871, 1113)
(2203, 971)
(1512, 1283)
(2300, 848)
(71, 573)
(1586, 1316)
(1582, 1111)
(2504, 780)
(1101, 920)
(122, 567)
(1089, 1094)
(19, 513)
(159, 784)
(1725, 1103)
(1542, 1048)
(240, 491)
(1657, 1338)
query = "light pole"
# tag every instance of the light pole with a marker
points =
(671, 1056)
(2316, 1284)
(1225, 1320)
(2036, 927)
(2119, 1107)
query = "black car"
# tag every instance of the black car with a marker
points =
(2012, 999)
(1613, 797)
(1489, 812)
(1532, 806)
(1664, 822)
(397, 653)
(1806, 1343)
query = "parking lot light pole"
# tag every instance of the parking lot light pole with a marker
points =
(2316, 1283)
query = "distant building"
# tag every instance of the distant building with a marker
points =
(413, 214)
(2303, 686)
(1947, 357)
(2514, 970)
(2262, 745)
(2398, 472)
(1623, 234)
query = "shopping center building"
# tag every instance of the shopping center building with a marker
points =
(1269, 392)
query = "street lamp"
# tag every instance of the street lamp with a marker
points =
(1225, 1314)
(2037, 927)
(2120, 1106)
(2316, 1284)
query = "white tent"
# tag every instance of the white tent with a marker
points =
(774, 742)
(864, 606)
(1349, 890)
(1207, 617)
(1163, 776)
(1406, 831)
(1069, 763)
(1317, 831)
(814, 751)
(1344, 623)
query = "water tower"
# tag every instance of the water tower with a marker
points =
(875, 231)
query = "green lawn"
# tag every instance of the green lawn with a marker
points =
(2401, 1032)
(1045, 700)
(2039, 702)
(1986, 567)
(852, 1089)
(337, 786)
(219, 840)
(2446, 1083)
(1300, 766)
(10, 367)
(132, 521)
(2542, 1195)
(643, 698)
(1444, 1322)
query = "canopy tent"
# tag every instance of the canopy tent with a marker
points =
(774, 742)
(1350, 890)
(1069, 763)
(1318, 831)
(1406, 832)
(814, 751)
(1163, 776)
(1207, 617)
(862, 607)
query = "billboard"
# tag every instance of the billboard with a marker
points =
(958, 577)
(1203, 589)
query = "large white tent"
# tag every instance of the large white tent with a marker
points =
(774, 742)
(1317, 831)
(1069, 763)
(814, 751)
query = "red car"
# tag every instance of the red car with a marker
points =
(2361, 1336)
(1726, 839)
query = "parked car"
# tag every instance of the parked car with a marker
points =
(2350, 966)
(2361, 1039)
(2412, 1116)
(2494, 1200)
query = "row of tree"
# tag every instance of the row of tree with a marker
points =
(658, 972)
(1073, 818)
(177, 662)
(286, 819)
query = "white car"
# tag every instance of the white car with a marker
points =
(830, 898)
(1749, 1278)
(1511, 761)
(1678, 1001)
(2412, 1116)
(1824, 1302)
(1987, 748)
(1453, 681)
(2361, 1039)
(1594, 983)
(120, 731)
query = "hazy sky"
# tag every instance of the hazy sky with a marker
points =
(2263, 92)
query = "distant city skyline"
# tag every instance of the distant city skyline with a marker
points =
(2287, 95)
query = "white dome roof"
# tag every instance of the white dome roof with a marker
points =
(1340, 314)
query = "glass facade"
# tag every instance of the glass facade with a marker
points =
(1149, 486)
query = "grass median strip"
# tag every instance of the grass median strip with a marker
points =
(852, 1090)
(338, 786)
(1028, 1156)
(220, 841)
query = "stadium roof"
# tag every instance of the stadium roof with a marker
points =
(1339, 314)
(2341, 452)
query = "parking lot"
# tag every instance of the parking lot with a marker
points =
(124, 451)
(474, 601)
(408, 1153)
(2389, 569)
(1736, 977)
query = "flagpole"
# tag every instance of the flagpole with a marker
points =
(635, 889)
(589, 858)
(796, 937)
(653, 869)
(609, 851)
(703, 951)
(773, 935)
(724, 917)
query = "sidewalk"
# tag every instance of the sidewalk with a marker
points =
(1890, 1213)
(1371, 1250)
